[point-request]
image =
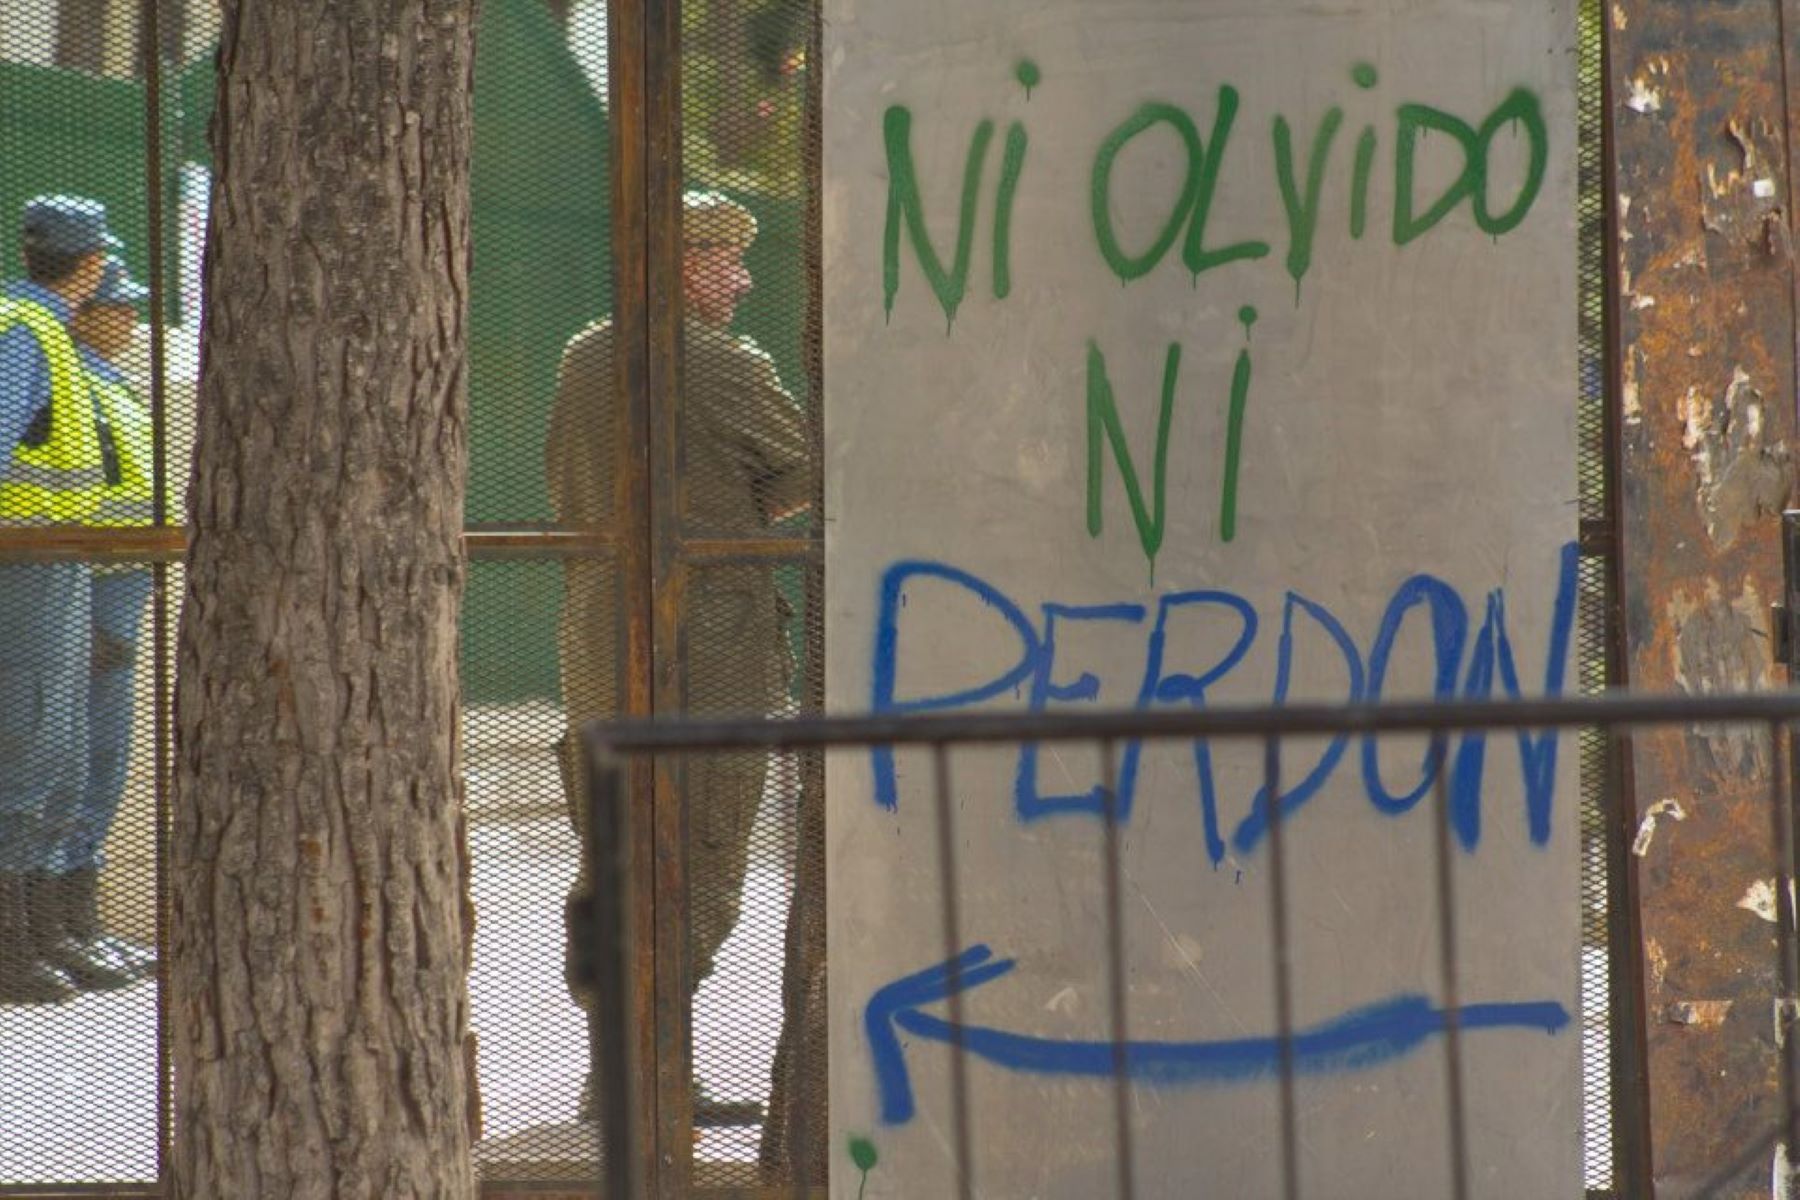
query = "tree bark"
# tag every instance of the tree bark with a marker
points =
(318, 955)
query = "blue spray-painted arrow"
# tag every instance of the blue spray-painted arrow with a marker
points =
(1357, 1040)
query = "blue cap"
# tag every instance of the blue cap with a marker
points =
(118, 287)
(70, 225)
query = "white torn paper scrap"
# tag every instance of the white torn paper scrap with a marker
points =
(1669, 807)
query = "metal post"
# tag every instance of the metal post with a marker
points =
(604, 961)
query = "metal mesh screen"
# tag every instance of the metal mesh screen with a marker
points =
(545, 640)
(752, 630)
(1598, 790)
(84, 619)
(543, 628)
(79, 1071)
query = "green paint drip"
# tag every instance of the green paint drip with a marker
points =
(862, 1153)
(1104, 425)
(1303, 212)
(1234, 442)
(1028, 75)
(906, 208)
(1364, 75)
(1012, 164)
(1247, 318)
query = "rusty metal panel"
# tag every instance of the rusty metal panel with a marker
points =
(1705, 372)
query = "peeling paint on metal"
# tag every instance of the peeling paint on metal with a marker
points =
(1741, 477)
(1759, 898)
(1658, 963)
(1705, 233)
(1702, 1014)
(1786, 1010)
(1628, 390)
(1669, 807)
(1644, 97)
(1722, 645)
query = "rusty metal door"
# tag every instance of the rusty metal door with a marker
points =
(717, 102)
(1702, 273)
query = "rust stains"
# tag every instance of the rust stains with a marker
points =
(1701, 1014)
(1705, 366)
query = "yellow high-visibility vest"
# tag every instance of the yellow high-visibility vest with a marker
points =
(62, 478)
(126, 501)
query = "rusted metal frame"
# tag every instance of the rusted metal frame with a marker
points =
(1118, 982)
(162, 735)
(1281, 955)
(496, 1190)
(674, 1125)
(1706, 331)
(1628, 1081)
(949, 881)
(606, 966)
(169, 544)
(806, 1123)
(628, 56)
(81, 1191)
(563, 1191)
(711, 551)
(62, 543)
(1669, 710)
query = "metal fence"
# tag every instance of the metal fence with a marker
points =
(1610, 1135)
(592, 121)
(110, 100)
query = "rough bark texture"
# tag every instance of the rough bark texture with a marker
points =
(318, 999)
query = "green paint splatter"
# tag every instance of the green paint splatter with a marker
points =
(1247, 317)
(1364, 75)
(862, 1153)
(1028, 75)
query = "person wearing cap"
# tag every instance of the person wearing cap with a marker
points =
(104, 329)
(747, 466)
(54, 474)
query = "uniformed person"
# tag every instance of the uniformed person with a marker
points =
(54, 473)
(745, 467)
(104, 330)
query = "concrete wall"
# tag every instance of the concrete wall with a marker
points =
(1198, 410)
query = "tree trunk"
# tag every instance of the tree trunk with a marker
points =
(318, 952)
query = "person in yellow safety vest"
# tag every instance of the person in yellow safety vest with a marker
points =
(94, 960)
(54, 472)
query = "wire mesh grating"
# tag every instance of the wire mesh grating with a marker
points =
(73, 114)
